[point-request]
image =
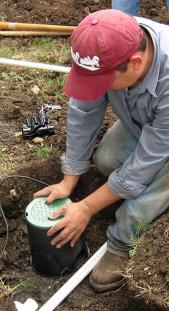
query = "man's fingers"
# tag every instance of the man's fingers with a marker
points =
(75, 238)
(52, 196)
(43, 192)
(61, 224)
(57, 213)
(61, 239)
(65, 241)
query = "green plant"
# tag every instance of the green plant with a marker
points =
(42, 152)
(37, 49)
(60, 83)
(6, 76)
(136, 238)
(61, 80)
(2, 150)
(8, 166)
(64, 53)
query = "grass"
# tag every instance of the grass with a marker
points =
(6, 164)
(2, 151)
(60, 83)
(136, 238)
(42, 152)
(36, 49)
(6, 290)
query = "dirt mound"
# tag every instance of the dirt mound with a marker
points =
(68, 12)
(148, 267)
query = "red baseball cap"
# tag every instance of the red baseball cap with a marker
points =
(102, 41)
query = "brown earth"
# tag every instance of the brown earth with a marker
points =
(147, 288)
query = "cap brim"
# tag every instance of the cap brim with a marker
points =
(87, 87)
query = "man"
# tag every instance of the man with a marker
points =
(123, 61)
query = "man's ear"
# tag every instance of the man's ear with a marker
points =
(136, 61)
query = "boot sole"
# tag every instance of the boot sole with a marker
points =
(105, 287)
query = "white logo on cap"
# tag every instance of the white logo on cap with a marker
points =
(90, 63)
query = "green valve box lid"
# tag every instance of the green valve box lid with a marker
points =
(38, 213)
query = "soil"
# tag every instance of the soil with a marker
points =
(148, 277)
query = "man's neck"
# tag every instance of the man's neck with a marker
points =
(149, 54)
(148, 59)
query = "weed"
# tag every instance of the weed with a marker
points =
(2, 150)
(6, 76)
(60, 82)
(64, 54)
(6, 290)
(136, 238)
(8, 166)
(42, 152)
(50, 82)
(45, 81)
(134, 242)
(41, 43)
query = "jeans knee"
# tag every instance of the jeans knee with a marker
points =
(102, 164)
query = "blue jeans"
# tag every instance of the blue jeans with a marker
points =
(133, 214)
(129, 6)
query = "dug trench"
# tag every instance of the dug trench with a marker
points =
(147, 287)
(147, 272)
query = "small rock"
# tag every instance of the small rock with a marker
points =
(13, 193)
(55, 124)
(38, 140)
(35, 89)
(146, 268)
(18, 134)
(29, 146)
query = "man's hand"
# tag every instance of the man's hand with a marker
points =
(76, 215)
(57, 191)
(60, 190)
(74, 222)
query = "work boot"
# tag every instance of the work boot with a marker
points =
(108, 273)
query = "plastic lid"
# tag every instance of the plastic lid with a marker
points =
(37, 212)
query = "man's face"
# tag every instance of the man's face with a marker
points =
(129, 78)
(122, 80)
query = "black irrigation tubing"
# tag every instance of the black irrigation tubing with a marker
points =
(1, 209)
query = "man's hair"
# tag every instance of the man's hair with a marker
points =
(142, 47)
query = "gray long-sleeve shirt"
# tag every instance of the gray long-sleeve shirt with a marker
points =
(143, 109)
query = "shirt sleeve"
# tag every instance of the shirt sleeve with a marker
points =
(151, 153)
(83, 125)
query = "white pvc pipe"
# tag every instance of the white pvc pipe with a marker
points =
(70, 285)
(29, 305)
(14, 62)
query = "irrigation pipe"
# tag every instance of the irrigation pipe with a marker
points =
(68, 287)
(34, 33)
(36, 27)
(14, 62)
